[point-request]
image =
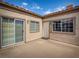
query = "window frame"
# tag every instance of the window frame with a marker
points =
(74, 25)
(36, 29)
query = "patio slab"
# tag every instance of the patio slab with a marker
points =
(41, 49)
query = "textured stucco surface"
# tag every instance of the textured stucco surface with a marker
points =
(41, 48)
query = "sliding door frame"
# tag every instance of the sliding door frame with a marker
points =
(24, 33)
(24, 39)
(1, 32)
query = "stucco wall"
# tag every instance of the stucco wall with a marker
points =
(29, 36)
(66, 37)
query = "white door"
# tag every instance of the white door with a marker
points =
(45, 29)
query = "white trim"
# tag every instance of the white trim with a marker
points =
(1, 31)
(24, 32)
(14, 30)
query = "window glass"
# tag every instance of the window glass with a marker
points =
(34, 26)
(57, 26)
(65, 25)
(18, 31)
(7, 31)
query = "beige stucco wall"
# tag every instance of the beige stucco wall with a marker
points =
(29, 36)
(63, 37)
(66, 37)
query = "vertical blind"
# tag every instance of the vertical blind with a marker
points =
(18, 31)
(34, 26)
(12, 31)
(7, 31)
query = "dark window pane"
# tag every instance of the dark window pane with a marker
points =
(67, 26)
(57, 26)
(63, 25)
(71, 29)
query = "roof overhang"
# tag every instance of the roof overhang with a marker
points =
(63, 12)
(18, 9)
(23, 11)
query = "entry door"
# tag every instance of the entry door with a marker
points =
(18, 31)
(45, 29)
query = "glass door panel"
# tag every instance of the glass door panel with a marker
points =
(7, 31)
(18, 31)
(11, 31)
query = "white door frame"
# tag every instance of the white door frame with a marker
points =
(46, 30)
(24, 39)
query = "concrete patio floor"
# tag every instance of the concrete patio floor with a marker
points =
(41, 49)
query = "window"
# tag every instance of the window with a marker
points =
(65, 25)
(34, 26)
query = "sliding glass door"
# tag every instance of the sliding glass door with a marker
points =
(11, 31)
(5, 36)
(18, 31)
